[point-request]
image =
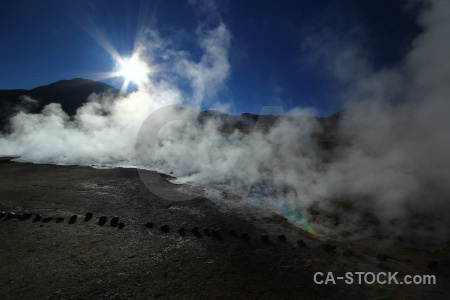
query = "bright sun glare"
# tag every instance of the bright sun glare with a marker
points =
(133, 69)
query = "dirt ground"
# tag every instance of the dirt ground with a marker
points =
(60, 259)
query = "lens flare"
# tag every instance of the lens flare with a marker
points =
(133, 69)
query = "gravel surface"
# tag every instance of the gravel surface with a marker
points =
(151, 250)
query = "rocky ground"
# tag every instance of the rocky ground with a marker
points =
(60, 257)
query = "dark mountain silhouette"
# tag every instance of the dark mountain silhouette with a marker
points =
(71, 94)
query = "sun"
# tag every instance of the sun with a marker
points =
(133, 69)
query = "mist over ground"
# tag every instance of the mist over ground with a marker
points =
(388, 176)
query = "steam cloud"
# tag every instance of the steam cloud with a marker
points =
(390, 175)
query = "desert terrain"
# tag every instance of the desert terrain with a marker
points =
(60, 257)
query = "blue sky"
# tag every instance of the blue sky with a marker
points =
(280, 52)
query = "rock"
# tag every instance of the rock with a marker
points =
(232, 233)
(301, 243)
(73, 219)
(264, 237)
(2, 214)
(10, 215)
(165, 228)
(59, 220)
(282, 238)
(216, 233)
(114, 222)
(121, 225)
(149, 224)
(37, 218)
(182, 231)
(206, 231)
(26, 216)
(88, 216)
(46, 220)
(102, 220)
(433, 265)
(196, 232)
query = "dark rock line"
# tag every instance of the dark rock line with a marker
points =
(215, 233)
